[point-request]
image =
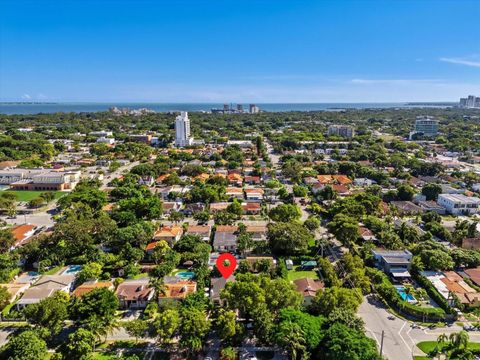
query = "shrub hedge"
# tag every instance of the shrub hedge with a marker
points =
(390, 295)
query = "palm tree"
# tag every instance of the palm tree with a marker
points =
(459, 340)
(158, 286)
(441, 340)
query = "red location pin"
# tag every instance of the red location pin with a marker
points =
(226, 269)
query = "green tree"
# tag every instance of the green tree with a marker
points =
(405, 192)
(101, 303)
(49, 313)
(336, 297)
(90, 271)
(288, 238)
(245, 242)
(26, 346)
(311, 325)
(291, 337)
(80, 345)
(431, 191)
(165, 325)
(6, 240)
(4, 297)
(137, 328)
(226, 324)
(312, 223)
(195, 327)
(340, 342)
(285, 213)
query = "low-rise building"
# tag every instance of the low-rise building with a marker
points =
(177, 289)
(170, 234)
(89, 286)
(458, 204)
(308, 288)
(225, 238)
(202, 231)
(395, 263)
(39, 179)
(134, 294)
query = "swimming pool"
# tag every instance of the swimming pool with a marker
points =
(72, 269)
(186, 274)
(404, 295)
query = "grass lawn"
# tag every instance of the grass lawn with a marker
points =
(296, 273)
(53, 270)
(421, 358)
(25, 195)
(428, 346)
(140, 276)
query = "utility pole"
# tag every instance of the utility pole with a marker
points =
(381, 343)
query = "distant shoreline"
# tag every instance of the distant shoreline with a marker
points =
(31, 107)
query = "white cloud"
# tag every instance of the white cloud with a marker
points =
(460, 61)
(26, 97)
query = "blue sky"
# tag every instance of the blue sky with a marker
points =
(239, 51)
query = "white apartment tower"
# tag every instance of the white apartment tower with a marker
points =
(182, 130)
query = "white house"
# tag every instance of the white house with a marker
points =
(458, 204)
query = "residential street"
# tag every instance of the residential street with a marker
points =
(400, 337)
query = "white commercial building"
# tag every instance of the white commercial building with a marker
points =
(458, 204)
(182, 130)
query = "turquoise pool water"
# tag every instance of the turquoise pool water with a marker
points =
(186, 274)
(403, 294)
(73, 269)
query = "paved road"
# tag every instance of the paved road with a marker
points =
(400, 337)
(120, 171)
(375, 316)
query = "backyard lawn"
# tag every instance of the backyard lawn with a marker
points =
(297, 273)
(24, 195)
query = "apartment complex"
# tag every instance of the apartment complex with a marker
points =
(182, 130)
(346, 131)
(458, 204)
(426, 126)
(470, 102)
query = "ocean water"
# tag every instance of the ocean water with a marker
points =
(35, 108)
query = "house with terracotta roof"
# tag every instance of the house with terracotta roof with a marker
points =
(334, 179)
(474, 275)
(252, 208)
(170, 234)
(201, 177)
(340, 189)
(89, 286)
(234, 192)
(159, 180)
(252, 180)
(235, 179)
(134, 294)
(177, 289)
(258, 232)
(308, 288)
(471, 243)
(254, 194)
(219, 206)
(202, 231)
(367, 234)
(22, 233)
